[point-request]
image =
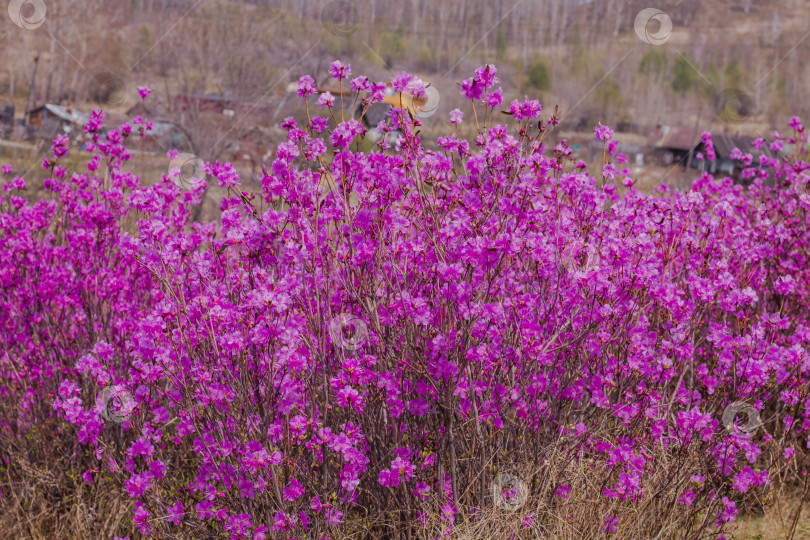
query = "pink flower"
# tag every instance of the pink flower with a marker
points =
(603, 133)
(348, 396)
(494, 99)
(709, 146)
(293, 490)
(389, 478)
(729, 512)
(360, 84)
(138, 484)
(326, 100)
(528, 109)
(400, 82)
(144, 92)
(337, 70)
(485, 76)
(59, 146)
(280, 521)
(378, 92)
(175, 513)
(472, 89)
(205, 510)
(319, 123)
(422, 490)
(448, 512)
(416, 88)
(687, 497)
(744, 479)
(609, 172)
(306, 86)
(610, 524)
(333, 517)
(429, 461)
(403, 468)
(785, 285)
(239, 524)
(140, 519)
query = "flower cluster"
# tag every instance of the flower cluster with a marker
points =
(394, 328)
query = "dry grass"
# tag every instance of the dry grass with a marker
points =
(775, 522)
(45, 503)
(53, 501)
(42, 492)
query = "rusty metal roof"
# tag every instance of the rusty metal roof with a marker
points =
(724, 144)
(677, 138)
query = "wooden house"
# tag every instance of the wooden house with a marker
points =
(671, 146)
(49, 119)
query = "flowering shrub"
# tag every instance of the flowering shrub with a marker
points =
(399, 329)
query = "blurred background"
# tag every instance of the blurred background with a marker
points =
(223, 72)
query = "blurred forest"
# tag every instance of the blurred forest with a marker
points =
(583, 55)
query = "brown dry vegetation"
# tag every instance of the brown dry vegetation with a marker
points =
(597, 71)
(44, 497)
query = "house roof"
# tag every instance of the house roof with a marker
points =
(68, 115)
(677, 138)
(724, 144)
(685, 139)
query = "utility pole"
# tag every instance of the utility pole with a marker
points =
(692, 148)
(31, 90)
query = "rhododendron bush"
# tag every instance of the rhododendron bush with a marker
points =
(374, 342)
